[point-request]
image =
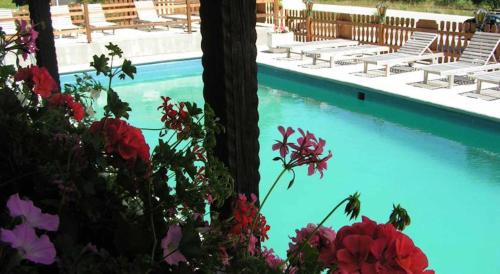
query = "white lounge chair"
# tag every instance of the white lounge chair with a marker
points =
(8, 26)
(146, 13)
(180, 16)
(302, 47)
(415, 49)
(477, 56)
(492, 77)
(61, 20)
(97, 19)
(332, 55)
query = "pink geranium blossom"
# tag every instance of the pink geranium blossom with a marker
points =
(31, 247)
(307, 151)
(170, 246)
(31, 214)
(282, 146)
(272, 260)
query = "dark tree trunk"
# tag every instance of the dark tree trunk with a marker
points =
(46, 55)
(230, 78)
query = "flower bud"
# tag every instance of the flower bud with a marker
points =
(353, 207)
(399, 217)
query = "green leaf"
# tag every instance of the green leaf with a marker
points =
(128, 69)
(100, 64)
(114, 50)
(116, 105)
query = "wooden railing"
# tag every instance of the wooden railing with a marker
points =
(453, 37)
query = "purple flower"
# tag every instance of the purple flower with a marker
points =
(31, 214)
(26, 38)
(31, 247)
(170, 246)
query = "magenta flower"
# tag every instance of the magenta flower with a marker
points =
(31, 214)
(170, 245)
(322, 240)
(272, 260)
(31, 247)
(282, 146)
(251, 245)
(26, 38)
(308, 150)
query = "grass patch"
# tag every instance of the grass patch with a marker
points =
(461, 7)
(7, 4)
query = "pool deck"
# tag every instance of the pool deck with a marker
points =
(142, 47)
(394, 85)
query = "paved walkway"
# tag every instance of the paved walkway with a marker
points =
(395, 85)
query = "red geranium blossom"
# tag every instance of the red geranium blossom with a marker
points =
(372, 248)
(76, 108)
(122, 139)
(37, 78)
(244, 213)
(175, 117)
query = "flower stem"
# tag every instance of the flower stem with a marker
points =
(303, 244)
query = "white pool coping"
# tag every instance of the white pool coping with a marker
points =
(394, 85)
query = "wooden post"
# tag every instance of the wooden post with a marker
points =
(276, 10)
(230, 87)
(188, 14)
(88, 29)
(46, 54)
(380, 37)
(308, 29)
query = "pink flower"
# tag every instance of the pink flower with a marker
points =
(170, 246)
(31, 247)
(251, 245)
(223, 256)
(308, 150)
(31, 214)
(323, 240)
(282, 146)
(271, 259)
(26, 38)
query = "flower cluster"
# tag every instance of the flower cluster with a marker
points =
(280, 29)
(38, 80)
(24, 238)
(368, 247)
(175, 117)
(321, 239)
(308, 150)
(122, 139)
(271, 259)
(248, 222)
(66, 100)
(26, 39)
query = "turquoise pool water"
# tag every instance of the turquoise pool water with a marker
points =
(444, 168)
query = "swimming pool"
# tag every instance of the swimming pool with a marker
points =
(443, 167)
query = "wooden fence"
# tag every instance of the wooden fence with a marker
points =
(453, 37)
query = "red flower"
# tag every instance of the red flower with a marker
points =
(39, 79)
(368, 247)
(59, 99)
(177, 120)
(122, 139)
(244, 213)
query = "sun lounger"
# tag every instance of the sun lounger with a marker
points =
(146, 12)
(415, 49)
(8, 26)
(61, 19)
(97, 19)
(477, 56)
(492, 77)
(332, 55)
(302, 47)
